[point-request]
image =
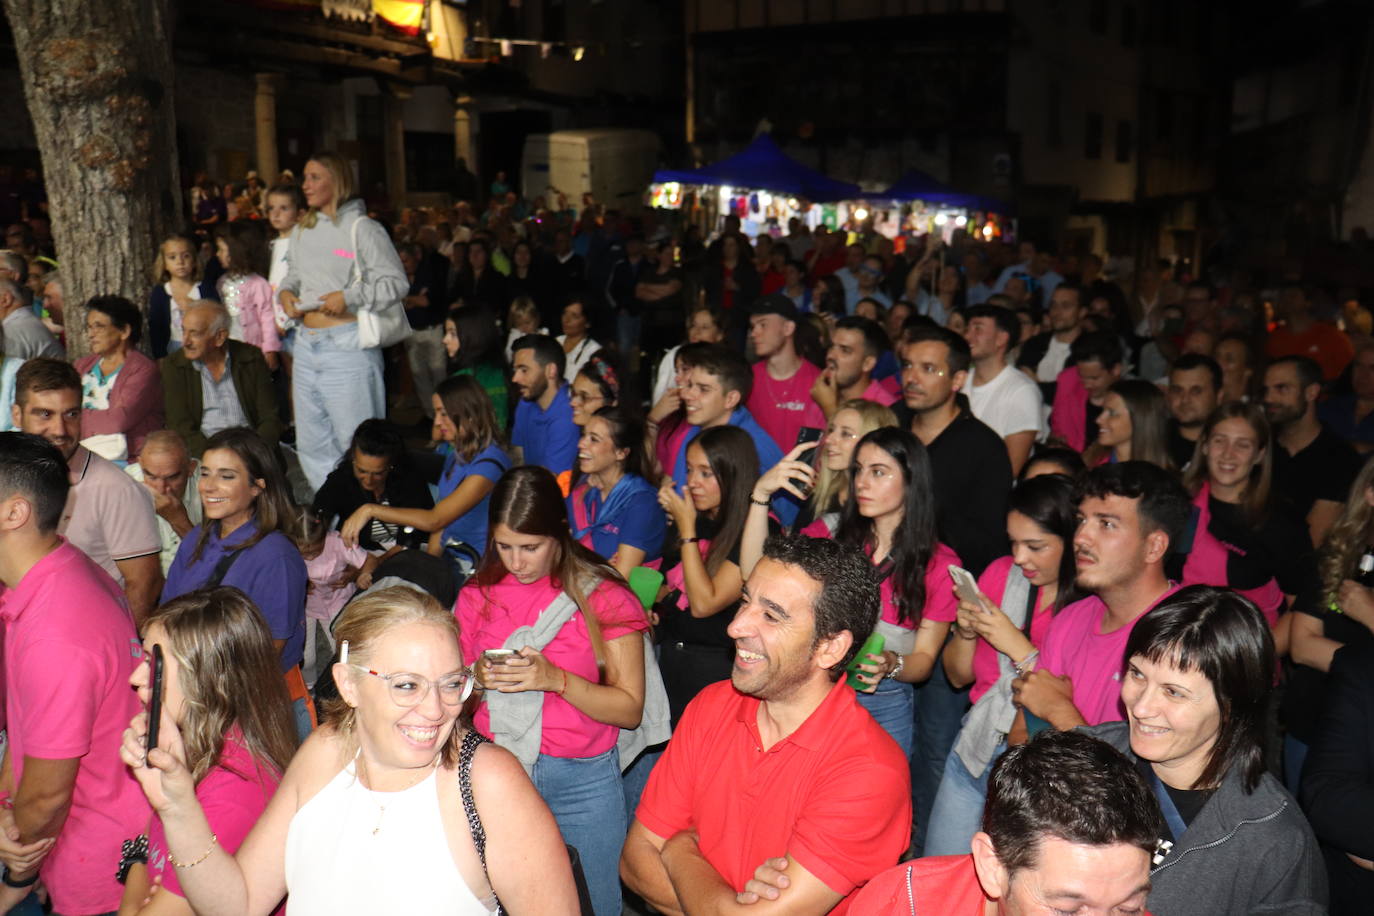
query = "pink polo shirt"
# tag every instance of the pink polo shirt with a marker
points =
(783, 407)
(940, 605)
(884, 392)
(1076, 646)
(986, 661)
(487, 615)
(70, 648)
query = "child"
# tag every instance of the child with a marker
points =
(333, 571)
(176, 276)
(522, 319)
(245, 294)
(285, 202)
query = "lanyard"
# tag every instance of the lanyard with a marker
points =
(1172, 818)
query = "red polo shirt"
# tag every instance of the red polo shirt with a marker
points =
(835, 794)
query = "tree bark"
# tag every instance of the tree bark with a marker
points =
(98, 81)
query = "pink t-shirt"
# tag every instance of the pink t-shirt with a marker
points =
(487, 615)
(940, 605)
(322, 600)
(233, 794)
(986, 661)
(109, 516)
(69, 650)
(1075, 646)
(883, 392)
(784, 407)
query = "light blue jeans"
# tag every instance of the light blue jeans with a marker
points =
(337, 386)
(893, 705)
(958, 810)
(636, 777)
(588, 803)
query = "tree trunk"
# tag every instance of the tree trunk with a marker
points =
(98, 82)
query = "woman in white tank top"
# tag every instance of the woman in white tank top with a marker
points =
(390, 807)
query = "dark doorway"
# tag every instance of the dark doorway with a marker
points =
(502, 143)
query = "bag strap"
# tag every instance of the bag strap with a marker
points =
(471, 741)
(222, 568)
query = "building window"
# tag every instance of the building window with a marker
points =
(1125, 136)
(1054, 123)
(1092, 136)
(1097, 16)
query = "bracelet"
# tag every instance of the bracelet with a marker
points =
(30, 881)
(688, 540)
(765, 503)
(203, 856)
(897, 668)
(564, 689)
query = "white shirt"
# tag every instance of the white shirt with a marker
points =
(577, 357)
(1009, 404)
(1052, 363)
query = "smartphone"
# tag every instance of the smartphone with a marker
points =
(154, 701)
(804, 435)
(1034, 724)
(966, 585)
(498, 656)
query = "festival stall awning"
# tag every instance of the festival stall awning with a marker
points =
(763, 166)
(917, 185)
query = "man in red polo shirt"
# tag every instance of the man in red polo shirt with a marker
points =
(778, 793)
(1069, 826)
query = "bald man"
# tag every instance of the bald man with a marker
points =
(168, 471)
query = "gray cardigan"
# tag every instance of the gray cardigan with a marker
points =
(1242, 854)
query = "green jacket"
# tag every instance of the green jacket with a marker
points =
(181, 394)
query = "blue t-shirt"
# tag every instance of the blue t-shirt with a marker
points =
(631, 516)
(471, 527)
(271, 573)
(548, 437)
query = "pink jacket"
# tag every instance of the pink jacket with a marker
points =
(1069, 418)
(135, 401)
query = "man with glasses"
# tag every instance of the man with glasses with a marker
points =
(69, 650)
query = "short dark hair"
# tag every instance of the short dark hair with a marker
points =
(875, 339)
(378, 439)
(1066, 458)
(1069, 286)
(727, 365)
(32, 467)
(1070, 786)
(45, 374)
(1004, 318)
(547, 351)
(959, 357)
(122, 314)
(1224, 637)
(1190, 361)
(849, 598)
(1163, 504)
(1309, 371)
(1097, 347)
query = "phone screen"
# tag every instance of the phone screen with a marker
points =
(808, 434)
(154, 700)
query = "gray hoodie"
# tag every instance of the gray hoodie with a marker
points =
(320, 261)
(1242, 854)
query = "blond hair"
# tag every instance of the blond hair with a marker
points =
(1349, 537)
(342, 173)
(364, 622)
(830, 484)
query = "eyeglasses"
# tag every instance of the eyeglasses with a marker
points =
(409, 690)
(578, 397)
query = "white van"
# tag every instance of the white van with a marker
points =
(616, 165)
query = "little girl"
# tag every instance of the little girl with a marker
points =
(176, 278)
(522, 318)
(245, 294)
(285, 202)
(333, 571)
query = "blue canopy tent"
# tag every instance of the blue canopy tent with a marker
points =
(917, 185)
(763, 166)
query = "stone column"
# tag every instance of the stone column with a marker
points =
(265, 120)
(465, 118)
(394, 143)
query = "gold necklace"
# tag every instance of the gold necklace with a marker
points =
(381, 808)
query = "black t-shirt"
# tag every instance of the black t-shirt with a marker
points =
(342, 495)
(1324, 470)
(1180, 448)
(1090, 414)
(972, 477)
(1278, 548)
(678, 625)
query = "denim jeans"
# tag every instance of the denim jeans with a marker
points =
(958, 811)
(336, 386)
(636, 777)
(1294, 756)
(939, 716)
(588, 803)
(892, 706)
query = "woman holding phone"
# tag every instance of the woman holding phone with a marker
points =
(1018, 597)
(392, 806)
(576, 674)
(218, 691)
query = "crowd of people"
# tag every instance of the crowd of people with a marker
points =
(808, 573)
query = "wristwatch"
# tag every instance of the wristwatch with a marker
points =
(897, 668)
(10, 882)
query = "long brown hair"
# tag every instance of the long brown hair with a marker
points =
(469, 407)
(735, 463)
(1149, 424)
(529, 501)
(230, 675)
(829, 484)
(366, 620)
(1256, 500)
(272, 509)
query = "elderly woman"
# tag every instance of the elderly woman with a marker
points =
(121, 390)
(394, 806)
(1199, 668)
